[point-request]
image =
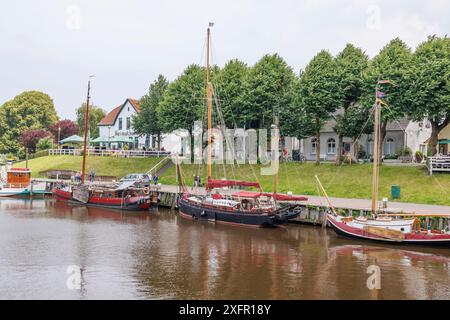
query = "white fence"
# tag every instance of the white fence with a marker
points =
(109, 153)
(441, 164)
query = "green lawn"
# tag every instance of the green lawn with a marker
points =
(109, 166)
(348, 181)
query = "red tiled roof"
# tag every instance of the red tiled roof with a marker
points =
(111, 117)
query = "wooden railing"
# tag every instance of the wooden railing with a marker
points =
(109, 153)
(439, 164)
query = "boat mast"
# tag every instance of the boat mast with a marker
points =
(376, 150)
(209, 97)
(86, 125)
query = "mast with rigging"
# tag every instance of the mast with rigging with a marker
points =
(376, 151)
(209, 97)
(86, 126)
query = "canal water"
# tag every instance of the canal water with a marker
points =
(161, 256)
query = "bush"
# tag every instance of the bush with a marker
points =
(391, 156)
(44, 144)
(407, 151)
(419, 156)
(361, 153)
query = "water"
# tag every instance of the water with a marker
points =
(161, 256)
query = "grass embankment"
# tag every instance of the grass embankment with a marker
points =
(107, 166)
(347, 181)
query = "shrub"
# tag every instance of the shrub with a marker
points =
(44, 144)
(407, 151)
(419, 156)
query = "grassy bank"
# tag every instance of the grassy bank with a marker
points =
(109, 166)
(345, 181)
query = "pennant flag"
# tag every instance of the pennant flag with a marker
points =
(380, 94)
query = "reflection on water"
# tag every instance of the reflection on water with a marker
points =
(158, 255)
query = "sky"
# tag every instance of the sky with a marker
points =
(55, 45)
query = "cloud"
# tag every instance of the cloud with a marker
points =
(126, 44)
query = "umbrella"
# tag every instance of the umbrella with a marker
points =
(72, 139)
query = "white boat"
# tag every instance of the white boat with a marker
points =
(15, 182)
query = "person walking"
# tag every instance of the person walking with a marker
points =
(92, 176)
(155, 179)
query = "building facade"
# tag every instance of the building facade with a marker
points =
(399, 134)
(119, 123)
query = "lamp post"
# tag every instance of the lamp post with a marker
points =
(109, 137)
(59, 137)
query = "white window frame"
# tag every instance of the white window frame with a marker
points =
(331, 146)
(313, 145)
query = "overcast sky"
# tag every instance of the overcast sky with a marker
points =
(53, 46)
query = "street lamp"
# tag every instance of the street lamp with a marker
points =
(59, 137)
(109, 137)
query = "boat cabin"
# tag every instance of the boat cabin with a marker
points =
(18, 177)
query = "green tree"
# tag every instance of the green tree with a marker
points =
(353, 123)
(429, 86)
(28, 110)
(146, 122)
(316, 94)
(266, 91)
(96, 114)
(351, 64)
(184, 100)
(391, 63)
(228, 89)
(44, 144)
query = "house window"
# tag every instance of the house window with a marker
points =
(120, 123)
(331, 146)
(128, 123)
(370, 146)
(313, 145)
(389, 147)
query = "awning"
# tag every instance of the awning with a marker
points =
(101, 140)
(72, 139)
(444, 141)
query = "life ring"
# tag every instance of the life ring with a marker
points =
(146, 191)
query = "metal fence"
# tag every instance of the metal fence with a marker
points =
(109, 153)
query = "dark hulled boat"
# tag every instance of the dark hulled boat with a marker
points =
(239, 208)
(242, 208)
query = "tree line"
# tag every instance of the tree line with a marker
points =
(250, 96)
(29, 123)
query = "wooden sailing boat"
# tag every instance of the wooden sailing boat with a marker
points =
(123, 197)
(241, 208)
(392, 228)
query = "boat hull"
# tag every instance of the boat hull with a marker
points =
(343, 230)
(14, 192)
(236, 218)
(132, 204)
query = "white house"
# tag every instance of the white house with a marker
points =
(119, 123)
(399, 134)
